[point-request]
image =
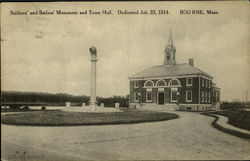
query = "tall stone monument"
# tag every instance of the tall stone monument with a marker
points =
(93, 59)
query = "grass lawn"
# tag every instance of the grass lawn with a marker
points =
(238, 118)
(61, 118)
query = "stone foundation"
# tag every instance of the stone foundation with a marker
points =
(194, 107)
(181, 107)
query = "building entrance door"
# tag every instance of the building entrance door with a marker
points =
(161, 98)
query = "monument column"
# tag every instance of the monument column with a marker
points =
(93, 59)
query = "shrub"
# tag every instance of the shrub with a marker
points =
(16, 107)
(232, 105)
(43, 108)
(25, 108)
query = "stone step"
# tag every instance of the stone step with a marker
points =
(159, 107)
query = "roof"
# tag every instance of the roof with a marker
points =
(167, 71)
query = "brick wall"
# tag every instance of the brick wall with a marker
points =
(194, 88)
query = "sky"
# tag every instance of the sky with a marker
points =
(50, 53)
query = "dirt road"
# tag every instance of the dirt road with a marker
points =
(189, 137)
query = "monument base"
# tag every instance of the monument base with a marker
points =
(93, 107)
(97, 109)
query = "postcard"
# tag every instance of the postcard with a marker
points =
(125, 80)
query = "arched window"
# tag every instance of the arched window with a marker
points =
(174, 83)
(161, 83)
(149, 84)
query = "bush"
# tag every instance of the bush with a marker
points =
(110, 101)
(43, 108)
(16, 107)
(25, 108)
(232, 106)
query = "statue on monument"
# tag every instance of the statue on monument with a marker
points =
(93, 50)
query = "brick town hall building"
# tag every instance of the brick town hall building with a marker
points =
(171, 84)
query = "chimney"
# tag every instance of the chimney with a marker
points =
(191, 61)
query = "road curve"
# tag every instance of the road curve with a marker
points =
(189, 137)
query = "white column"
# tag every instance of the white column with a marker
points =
(93, 79)
(93, 85)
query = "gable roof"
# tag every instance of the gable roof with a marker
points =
(167, 71)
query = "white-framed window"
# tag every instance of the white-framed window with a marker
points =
(188, 96)
(215, 96)
(202, 81)
(136, 96)
(136, 84)
(149, 96)
(174, 97)
(209, 84)
(202, 96)
(205, 96)
(218, 96)
(206, 83)
(189, 81)
(209, 95)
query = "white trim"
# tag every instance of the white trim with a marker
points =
(148, 86)
(170, 77)
(206, 77)
(161, 89)
(187, 96)
(169, 83)
(188, 85)
(216, 88)
(156, 84)
(174, 88)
